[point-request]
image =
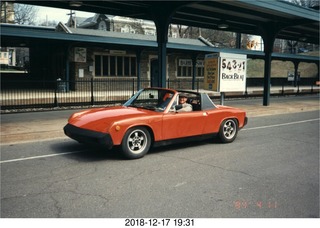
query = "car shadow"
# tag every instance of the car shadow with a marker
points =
(179, 146)
(90, 153)
(85, 153)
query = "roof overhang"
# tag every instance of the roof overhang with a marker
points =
(14, 35)
(287, 20)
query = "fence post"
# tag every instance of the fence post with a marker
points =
(92, 97)
(198, 85)
(132, 86)
(246, 91)
(55, 98)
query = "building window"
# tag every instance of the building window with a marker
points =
(115, 66)
(185, 68)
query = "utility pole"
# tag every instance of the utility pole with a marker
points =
(75, 22)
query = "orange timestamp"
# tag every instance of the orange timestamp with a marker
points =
(243, 204)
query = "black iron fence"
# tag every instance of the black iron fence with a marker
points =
(21, 94)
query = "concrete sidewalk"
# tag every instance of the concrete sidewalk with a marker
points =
(35, 126)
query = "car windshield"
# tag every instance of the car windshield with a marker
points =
(151, 99)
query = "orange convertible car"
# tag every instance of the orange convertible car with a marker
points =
(155, 116)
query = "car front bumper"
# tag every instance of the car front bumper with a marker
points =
(88, 136)
(245, 121)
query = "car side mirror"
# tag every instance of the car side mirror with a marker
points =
(177, 107)
(172, 109)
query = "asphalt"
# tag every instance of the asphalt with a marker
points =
(37, 126)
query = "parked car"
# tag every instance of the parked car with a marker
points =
(151, 118)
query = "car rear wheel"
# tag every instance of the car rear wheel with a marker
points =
(228, 130)
(136, 143)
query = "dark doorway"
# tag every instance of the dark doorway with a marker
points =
(154, 73)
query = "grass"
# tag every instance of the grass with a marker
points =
(280, 69)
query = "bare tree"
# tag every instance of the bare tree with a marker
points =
(49, 23)
(25, 14)
(137, 26)
(306, 3)
(301, 46)
(219, 38)
(180, 31)
(7, 13)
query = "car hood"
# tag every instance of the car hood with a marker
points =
(102, 118)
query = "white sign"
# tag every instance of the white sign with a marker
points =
(80, 55)
(233, 72)
(225, 72)
(117, 52)
(188, 62)
(81, 73)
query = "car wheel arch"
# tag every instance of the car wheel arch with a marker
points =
(150, 130)
(228, 118)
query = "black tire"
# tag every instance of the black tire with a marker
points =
(136, 143)
(228, 130)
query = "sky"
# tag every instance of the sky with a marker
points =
(54, 14)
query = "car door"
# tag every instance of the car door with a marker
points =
(183, 124)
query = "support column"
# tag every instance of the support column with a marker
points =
(162, 14)
(194, 70)
(267, 76)
(162, 26)
(162, 59)
(138, 55)
(318, 75)
(296, 65)
(67, 69)
(268, 33)
(238, 40)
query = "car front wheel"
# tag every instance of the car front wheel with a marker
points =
(136, 142)
(228, 130)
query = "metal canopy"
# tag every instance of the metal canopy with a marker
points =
(251, 17)
(270, 19)
(15, 35)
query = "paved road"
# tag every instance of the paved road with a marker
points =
(271, 170)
